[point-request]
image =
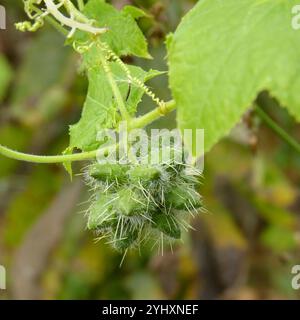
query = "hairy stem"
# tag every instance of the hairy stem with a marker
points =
(53, 22)
(53, 10)
(277, 129)
(153, 115)
(141, 122)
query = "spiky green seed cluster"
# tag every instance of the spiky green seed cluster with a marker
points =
(135, 203)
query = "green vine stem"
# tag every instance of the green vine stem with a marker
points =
(135, 124)
(9, 153)
(153, 115)
(52, 8)
(277, 129)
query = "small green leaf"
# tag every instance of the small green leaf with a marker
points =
(124, 35)
(224, 53)
(100, 110)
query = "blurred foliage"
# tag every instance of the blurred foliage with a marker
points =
(5, 75)
(243, 245)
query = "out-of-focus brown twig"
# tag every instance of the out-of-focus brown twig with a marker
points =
(31, 257)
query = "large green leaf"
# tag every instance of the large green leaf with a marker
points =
(224, 53)
(124, 35)
(100, 109)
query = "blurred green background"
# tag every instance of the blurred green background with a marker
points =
(243, 247)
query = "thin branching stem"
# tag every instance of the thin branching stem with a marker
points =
(73, 24)
(135, 124)
(277, 129)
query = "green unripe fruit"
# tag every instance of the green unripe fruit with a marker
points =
(108, 172)
(101, 214)
(126, 239)
(130, 202)
(182, 197)
(166, 224)
(137, 200)
(144, 174)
